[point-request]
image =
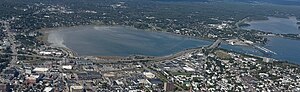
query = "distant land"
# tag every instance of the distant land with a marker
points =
(183, 0)
(278, 2)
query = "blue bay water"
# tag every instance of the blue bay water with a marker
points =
(123, 41)
(286, 49)
(126, 41)
(276, 25)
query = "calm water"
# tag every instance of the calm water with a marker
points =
(286, 49)
(125, 41)
(120, 41)
(276, 25)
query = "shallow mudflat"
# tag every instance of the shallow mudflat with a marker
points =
(120, 41)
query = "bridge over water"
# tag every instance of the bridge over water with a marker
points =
(216, 44)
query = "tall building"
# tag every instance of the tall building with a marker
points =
(169, 86)
(3, 88)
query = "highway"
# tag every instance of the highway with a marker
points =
(11, 39)
(102, 60)
(97, 60)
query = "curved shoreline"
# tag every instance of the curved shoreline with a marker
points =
(45, 37)
(45, 34)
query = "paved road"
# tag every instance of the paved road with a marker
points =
(11, 39)
(97, 60)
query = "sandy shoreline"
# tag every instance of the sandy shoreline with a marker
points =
(57, 43)
(55, 40)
